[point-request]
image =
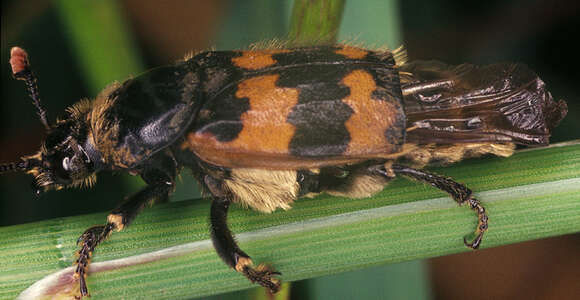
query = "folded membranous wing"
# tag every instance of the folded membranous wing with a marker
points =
(467, 103)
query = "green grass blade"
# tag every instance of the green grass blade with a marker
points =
(533, 194)
(315, 22)
(101, 41)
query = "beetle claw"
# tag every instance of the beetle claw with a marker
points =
(263, 275)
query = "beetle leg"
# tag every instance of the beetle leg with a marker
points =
(457, 191)
(227, 247)
(160, 179)
(88, 241)
(117, 220)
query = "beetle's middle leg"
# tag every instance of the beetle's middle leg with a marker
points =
(225, 244)
(456, 190)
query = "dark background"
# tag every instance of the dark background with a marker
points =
(541, 34)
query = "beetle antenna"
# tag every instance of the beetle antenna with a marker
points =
(21, 71)
(26, 164)
(15, 166)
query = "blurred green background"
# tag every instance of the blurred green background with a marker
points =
(77, 47)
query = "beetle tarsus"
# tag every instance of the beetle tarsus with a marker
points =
(459, 192)
(481, 226)
(263, 275)
(88, 241)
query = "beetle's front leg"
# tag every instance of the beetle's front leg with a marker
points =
(226, 245)
(118, 219)
(159, 177)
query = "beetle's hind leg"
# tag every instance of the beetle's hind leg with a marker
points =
(226, 245)
(456, 190)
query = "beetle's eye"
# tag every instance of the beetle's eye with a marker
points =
(66, 164)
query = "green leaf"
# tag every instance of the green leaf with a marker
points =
(167, 254)
(102, 44)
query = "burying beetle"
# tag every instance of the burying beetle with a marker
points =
(264, 127)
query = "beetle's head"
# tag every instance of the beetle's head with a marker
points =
(63, 159)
